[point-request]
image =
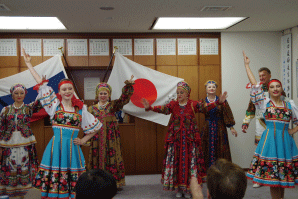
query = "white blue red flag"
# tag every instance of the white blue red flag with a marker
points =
(150, 84)
(52, 68)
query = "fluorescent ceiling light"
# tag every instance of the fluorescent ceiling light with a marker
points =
(196, 22)
(30, 23)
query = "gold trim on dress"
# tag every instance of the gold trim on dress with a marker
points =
(283, 132)
(80, 156)
(265, 141)
(71, 147)
(52, 150)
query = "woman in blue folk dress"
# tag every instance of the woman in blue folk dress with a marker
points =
(275, 162)
(63, 161)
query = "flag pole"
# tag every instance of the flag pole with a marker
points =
(69, 72)
(115, 48)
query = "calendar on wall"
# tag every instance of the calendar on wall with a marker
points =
(8, 47)
(187, 46)
(286, 59)
(143, 46)
(31, 46)
(124, 46)
(77, 47)
(51, 47)
(99, 47)
(209, 46)
(166, 46)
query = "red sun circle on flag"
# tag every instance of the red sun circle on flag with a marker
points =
(143, 88)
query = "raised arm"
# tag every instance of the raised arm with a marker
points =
(27, 60)
(127, 92)
(164, 109)
(250, 75)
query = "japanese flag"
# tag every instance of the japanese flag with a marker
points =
(158, 88)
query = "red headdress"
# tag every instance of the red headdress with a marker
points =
(74, 100)
(274, 80)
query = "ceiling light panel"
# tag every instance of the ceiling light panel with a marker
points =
(182, 23)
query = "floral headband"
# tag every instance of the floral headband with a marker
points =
(103, 86)
(185, 86)
(211, 82)
(17, 87)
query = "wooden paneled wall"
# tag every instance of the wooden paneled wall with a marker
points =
(142, 141)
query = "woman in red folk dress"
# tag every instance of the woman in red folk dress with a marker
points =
(183, 153)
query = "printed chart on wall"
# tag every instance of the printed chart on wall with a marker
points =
(286, 54)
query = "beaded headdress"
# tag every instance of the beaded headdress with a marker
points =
(211, 82)
(103, 86)
(185, 86)
(17, 87)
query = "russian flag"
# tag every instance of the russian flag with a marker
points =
(52, 68)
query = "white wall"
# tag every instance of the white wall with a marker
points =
(294, 76)
(263, 49)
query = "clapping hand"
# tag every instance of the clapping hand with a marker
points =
(223, 97)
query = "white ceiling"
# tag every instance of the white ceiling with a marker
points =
(138, 15)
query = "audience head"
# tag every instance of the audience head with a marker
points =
(264, 75)
(95, 184)
(226, 180)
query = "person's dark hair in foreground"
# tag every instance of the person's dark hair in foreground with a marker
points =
(226, 180)
(95, 184)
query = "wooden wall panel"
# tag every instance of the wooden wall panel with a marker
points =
(35, 60)
(128, 147)
(9, 61)
(209, 59)
(170, 70)
(145, 60)
(6, 72)
(145, 132)
(99, 60)
(77, 61)
(191, 75)
(161, 134)
(37, 128)
(166, 60)
(23, 69)
(187, 60)
(48, 134)
(152, 67)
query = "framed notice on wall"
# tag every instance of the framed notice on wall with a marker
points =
(286, 61)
